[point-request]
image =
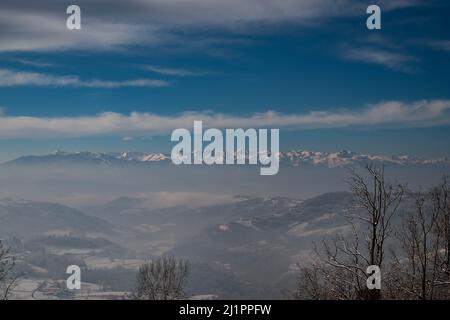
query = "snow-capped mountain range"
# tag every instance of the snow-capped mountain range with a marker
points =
(87, 157)
(349, 158)
(296, 158)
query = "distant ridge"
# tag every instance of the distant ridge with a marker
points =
(295, 158)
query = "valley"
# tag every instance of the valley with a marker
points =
(234, 248)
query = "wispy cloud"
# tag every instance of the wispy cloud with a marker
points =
(33, 63)
(177, 72)
(440, 44)
(20, 34)
(390, 59)
(12, 78)
(37, 26)
(387, 114)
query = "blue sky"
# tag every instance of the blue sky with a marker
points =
(131, 74)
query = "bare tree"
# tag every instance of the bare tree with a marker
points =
(419, 242)
(440, 197)
(342, 262)
(311, 284)
(421, 269)
(380, 201)
(162, 279)
(6, 265)
(322, 281)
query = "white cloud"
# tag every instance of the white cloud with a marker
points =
(34, 26)
(440, 45)
(174, 71)
(11, 78)
(389, 59)
(37, 64)
(392, 114)
(24, 30)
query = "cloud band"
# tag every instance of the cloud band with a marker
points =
(392, 114)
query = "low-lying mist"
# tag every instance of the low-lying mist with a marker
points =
(168, 185)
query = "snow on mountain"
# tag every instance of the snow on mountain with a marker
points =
(86, 157)
(349, 158)
(294, 158)
(139, 156)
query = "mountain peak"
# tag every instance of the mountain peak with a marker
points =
(293, 158)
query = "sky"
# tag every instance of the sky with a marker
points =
(138, 70)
